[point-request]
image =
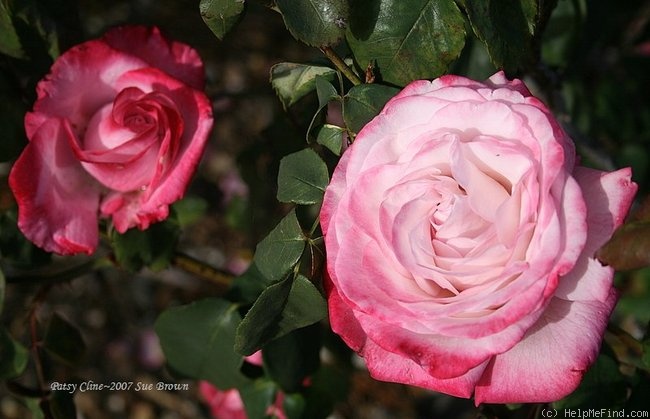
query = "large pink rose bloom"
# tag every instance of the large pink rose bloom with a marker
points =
(460, 240)
(117, 130)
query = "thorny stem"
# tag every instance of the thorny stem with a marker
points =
(340, 65)
(202, 270)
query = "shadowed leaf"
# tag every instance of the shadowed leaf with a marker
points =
(221, 15)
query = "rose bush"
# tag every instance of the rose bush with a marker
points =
(117, 130)
(460, 237)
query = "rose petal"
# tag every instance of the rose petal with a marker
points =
(57, 200)
(81, 81)
(608, 195)
(151, 204)
(551, 359)
(174, 58)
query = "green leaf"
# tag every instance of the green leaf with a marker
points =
(153, 247)
(602, 386)
(317, 23)
(9, 39)
(364, 102)
(406, 39)
(326, 91)
(197, 340)
(13, 356)
(305, 306)
(280, 309)
(331, 136)
(261, 322)
(302, 178)
(290, 359)
(221, 15)
(278, 252)
(507, 29)
(293, 81)
(64, 341)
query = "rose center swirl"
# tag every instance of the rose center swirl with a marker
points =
(456, 227)
(130, 143)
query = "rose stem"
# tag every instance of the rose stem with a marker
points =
(202, 270)
(340, 65)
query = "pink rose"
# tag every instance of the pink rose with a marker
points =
(227, 404)
(460, 240)
(117, 130)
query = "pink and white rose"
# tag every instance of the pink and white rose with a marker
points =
(460, 238)
(117, 130)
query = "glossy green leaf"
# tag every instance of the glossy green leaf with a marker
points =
(331, 137)
(9, 40)
(13, 356)
(197, 340)
(305, 306)
(364, 102)
(278, 252)
(315, 22)
(291, 358)
(261, 322)
(221, 15)
(280, 309)
(302, 178)
(406, 39)
(603, 386)
(64, 341)
(153, 247)
(293, 81)
(507, 29)
(326, 91)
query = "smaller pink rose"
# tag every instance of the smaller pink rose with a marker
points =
(117, 130)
